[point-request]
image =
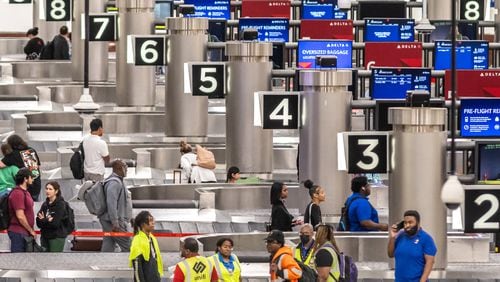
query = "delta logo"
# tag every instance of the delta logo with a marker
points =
(489, 74)
(278, 4)
(339, 23)
(408, 46)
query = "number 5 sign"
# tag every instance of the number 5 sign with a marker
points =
(366, 152)
(482, 209)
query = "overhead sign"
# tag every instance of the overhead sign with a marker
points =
(146, 50)
(19, 1)
(208, 79)
(364, 152)
(480, 118)
(211, 9)
(472, 10)
(482, 209)
(403, 54)
(103, 27)
(58, 10)
(277, 110)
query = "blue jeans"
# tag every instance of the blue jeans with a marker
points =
(17, 243)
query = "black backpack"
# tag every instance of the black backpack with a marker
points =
(76, 162)
(68, 222)
(344, 224)
(4, 212)
(47, 52)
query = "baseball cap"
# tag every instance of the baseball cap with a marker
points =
(277, 236)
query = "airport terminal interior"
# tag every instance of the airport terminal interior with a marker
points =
(285, 90)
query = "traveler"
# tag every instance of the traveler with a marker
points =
(50, 219)
(7, 174)
(34, 46)
(233, 174)
(412, 248)
(305, 249)
(226, 263)
(191, 172)
(24, 156)
(312, 214)
(119, 208)
(95, 151)
(362, 215)
(194, 267)
(61, 44)
(325, 256)
(22, 215)
(145, 255)
(281, 219)
(282, 264)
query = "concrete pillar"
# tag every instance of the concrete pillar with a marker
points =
(249, 70)
(186, 115)
(326, 110)
(439, 9)
(98, 51)
(135, 85)
(46, 30)
(418, 170)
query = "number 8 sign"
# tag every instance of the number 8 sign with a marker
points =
(58, 10)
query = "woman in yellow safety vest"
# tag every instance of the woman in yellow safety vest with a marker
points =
(227, 264)
(145, 255)
(325, 257)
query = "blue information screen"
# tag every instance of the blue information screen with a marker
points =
(389, 30)
(392, 83)
(212, 9)
(163, 9)
(308, 50)
(322, 9)
(480, 117)
(471, 55)
(270, 29)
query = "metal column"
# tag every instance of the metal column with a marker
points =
(249, 70)
(326, 110)
(186, 115)
(418, 170)
(439, 10)
(46, 30)
(98, 53)
(135, 86)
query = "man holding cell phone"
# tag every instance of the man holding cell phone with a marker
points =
(414, 249)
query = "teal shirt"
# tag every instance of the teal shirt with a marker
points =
(7, 175)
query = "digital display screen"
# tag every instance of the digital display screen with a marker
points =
(217, 30)
(467, 30)
(381, 9)
(265, 8)
(381, 118)
(211, 9)
(392, 83)
(326, 29)
(163, 9)
(474, 83)
(308, 50)
(269, 29)
(469, 55)
(321, 9)
(487, 168)
(480, 118)
(278, 57)
(389, 30)
(404, 54)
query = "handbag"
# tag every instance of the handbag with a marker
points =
(32, 246)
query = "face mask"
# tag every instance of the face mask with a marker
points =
(304, 239)
(412, 231)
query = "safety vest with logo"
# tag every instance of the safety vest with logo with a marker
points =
(223, 273)
(334, 269)
(197, 269)
(308, 261)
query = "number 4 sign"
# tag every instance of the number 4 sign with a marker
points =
(280, 110)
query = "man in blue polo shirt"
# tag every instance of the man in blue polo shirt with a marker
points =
(413, 249)
(361, 214)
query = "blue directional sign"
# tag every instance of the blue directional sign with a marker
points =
(269, 29)
(212, 9)
(480, 118)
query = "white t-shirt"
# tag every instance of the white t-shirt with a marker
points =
(94, 149)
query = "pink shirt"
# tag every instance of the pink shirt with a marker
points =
(20, 199)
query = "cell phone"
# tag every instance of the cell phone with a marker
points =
(400, 225)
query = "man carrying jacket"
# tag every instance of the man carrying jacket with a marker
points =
(118, 208)
(282, 265)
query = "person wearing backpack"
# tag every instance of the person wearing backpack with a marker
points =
(325, 256)
(7, 174)
(50, 219)
(282, 264)
(62, 44)
(96, 152)
(191, 172)
(118, 208)
(22, 215)
(34, 46)
(412, 248)
(362, 215)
